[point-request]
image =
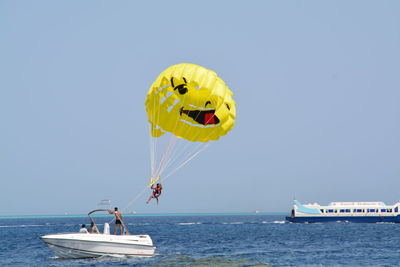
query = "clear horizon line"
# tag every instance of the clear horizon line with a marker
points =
(142, 214)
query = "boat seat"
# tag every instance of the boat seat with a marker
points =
(106, 229)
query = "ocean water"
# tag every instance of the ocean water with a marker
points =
(225, 240)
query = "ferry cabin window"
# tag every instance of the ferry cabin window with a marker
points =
(358, 210)
(322, 211)
(331, 211)
(370, 210)
(389, 210)
(383, 210)
(345, 210)
(396, 209)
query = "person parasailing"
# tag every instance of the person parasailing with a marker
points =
(156, 192)
(187, 106)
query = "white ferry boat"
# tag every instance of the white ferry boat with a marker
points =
(362, 212)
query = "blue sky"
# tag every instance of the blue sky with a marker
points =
(317, 87)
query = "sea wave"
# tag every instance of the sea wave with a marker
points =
(22, 225)
(279, 222)
(188, 223)
(137, 224)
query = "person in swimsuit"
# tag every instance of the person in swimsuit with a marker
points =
(156, 192)
(118, 220)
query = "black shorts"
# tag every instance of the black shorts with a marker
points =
(118, 222)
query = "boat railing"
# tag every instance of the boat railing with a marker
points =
(96, 229)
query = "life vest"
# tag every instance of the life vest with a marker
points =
(157, 190)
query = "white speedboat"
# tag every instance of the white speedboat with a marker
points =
(96, 244)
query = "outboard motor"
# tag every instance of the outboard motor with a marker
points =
(106, 229)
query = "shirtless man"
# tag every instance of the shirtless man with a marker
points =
(118, 220)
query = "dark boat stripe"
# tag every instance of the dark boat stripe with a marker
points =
(354, 219)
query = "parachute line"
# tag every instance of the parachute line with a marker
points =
(186, 161)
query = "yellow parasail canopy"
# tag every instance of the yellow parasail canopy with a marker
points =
(191, 102)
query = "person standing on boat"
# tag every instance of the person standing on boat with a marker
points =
(118, 220)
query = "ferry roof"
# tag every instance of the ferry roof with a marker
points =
(357, 204)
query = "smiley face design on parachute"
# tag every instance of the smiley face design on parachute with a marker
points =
(202, 115)
(190, 102)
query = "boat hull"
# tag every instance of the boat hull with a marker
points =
(96, 245)
(353, 219)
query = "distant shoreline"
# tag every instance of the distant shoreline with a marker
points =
(143, 215)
